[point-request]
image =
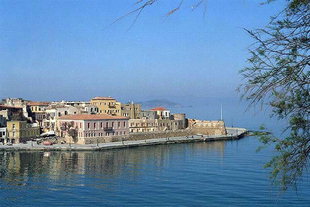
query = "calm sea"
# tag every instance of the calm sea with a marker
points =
(198, 174)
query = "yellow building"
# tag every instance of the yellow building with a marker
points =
(20, 131)
(107, 105)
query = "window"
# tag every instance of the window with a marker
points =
(107, 124)
(80, 125)
(94, 125)
(112, 124)
(124, 124)
(100, 124)
(119, 124)
(88, 125)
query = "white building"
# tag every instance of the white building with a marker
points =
(162, 113)
(54, 112)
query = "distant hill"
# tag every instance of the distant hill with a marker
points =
(160, 102)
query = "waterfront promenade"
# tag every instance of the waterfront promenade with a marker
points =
(232, 134)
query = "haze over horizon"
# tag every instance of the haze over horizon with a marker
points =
(66, 50)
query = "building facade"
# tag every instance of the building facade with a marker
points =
(11, 112)
(37, 111)
(162, 113)
(21, 131)
(107, 105)
(54, 112)
(142, 125)
(147, 115)
(3, 135)
(130, 110)
(86, 128)
(153, 125)
(2, 120)
(83, 106)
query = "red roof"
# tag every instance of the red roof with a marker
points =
(91, 117)
(9, 107)
(159, 109)
(38, 103)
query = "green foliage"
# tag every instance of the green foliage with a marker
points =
(278, 74)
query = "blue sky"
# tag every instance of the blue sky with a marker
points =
(54, 50)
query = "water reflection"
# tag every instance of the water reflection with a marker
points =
(18, 167)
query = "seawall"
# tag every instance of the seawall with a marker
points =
(125, 144)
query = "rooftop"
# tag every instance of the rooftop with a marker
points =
(91, 117)
(9, 107)
(103, 98)
(159, 109)
(33, 103)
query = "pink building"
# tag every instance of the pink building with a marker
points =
(90, 127)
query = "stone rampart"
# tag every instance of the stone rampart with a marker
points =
(160, 134)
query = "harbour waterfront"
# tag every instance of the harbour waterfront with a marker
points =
(233, 134)
(224, 173)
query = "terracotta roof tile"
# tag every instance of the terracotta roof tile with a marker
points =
(90, 117)
(38, 103)
(159, 109)
(9, 107)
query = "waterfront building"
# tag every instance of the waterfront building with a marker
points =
(21, 131)
(53, 112)
(85, 107)
(152, 125)
(38, 106)
(130, 110)
(182, 117)
(162, 113)
(107, 105)
(91, 128)
(19, 103)
(147, 115)
(3, 135)
(2, 121)
(143, 125)
(169, 125)
(38, 111)
(11, 112)
(90, 109)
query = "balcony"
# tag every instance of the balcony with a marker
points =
(108, 129)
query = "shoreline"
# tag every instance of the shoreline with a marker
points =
(234, 135)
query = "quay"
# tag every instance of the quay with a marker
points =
(232, 134)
